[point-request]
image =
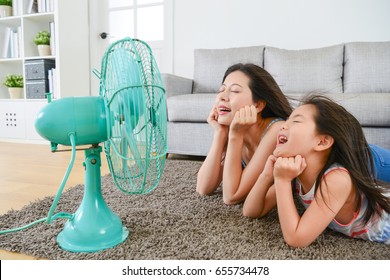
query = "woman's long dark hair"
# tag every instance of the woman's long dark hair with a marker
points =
(264, 88)
(351, 150)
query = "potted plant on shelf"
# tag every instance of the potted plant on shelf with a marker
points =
(42, 40)
(14, 82)
(5, 8)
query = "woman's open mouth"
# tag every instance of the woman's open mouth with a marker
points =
(223, 110)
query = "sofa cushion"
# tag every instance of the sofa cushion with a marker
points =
(367, 67)
(210, 65)
(196, 107)
(306, 70)
(369, 109)
(190, 107)
(365, 107)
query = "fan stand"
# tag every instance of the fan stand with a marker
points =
(94, 226)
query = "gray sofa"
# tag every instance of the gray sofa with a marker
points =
(357, 75)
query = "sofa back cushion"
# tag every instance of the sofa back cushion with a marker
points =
(304, 71)
(210, 65)
(367, 67)
(190, 107)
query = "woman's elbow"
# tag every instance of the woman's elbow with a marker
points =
(250, 212)
(296, 242)
(230, 200)
(254, 208)
(203, 190)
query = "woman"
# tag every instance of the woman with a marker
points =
(247, 115)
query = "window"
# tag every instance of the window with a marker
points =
(142, 19)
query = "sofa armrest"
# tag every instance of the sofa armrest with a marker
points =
(176, 85)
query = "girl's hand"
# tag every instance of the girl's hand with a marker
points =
(244, 119)
(268, 170)
(289, 168)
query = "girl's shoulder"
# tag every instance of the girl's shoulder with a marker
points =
(334, 167)
(337, 175)
(337, 180)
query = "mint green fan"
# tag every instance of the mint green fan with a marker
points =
(129, 116)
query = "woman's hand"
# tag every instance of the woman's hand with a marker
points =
(244, 119)
(219, 129)
(212, 119)
(287, 169)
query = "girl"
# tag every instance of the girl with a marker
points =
(322, 150)
(246, 117)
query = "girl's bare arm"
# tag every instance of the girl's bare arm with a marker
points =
(302, 231)
(262, 198)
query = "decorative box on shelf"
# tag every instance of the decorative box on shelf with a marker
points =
(37, 77)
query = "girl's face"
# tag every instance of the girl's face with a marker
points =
(298, 135)
(233, 95)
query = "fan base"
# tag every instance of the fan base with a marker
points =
(94, 225)
(84, 245)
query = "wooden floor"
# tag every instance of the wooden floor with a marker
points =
(32, 171)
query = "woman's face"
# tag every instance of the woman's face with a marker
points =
(233, 95)
(298, 135)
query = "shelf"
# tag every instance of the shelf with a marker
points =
(39, 57)
(10, 20)
(11, 60)
(39, 16)
(72, 74)
(17, 45)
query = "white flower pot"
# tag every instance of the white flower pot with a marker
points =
(5, 11)
(44, 50)
(15, 93)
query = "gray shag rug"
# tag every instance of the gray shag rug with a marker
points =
(174, 222)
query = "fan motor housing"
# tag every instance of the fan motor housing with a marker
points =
(83, 116)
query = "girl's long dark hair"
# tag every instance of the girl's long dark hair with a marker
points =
(265, 88)
(351, 150)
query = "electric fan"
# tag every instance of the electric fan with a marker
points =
(129, 116)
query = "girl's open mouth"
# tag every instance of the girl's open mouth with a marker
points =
(282, 139)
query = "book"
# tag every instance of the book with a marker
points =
(49, 5)
(15, 44)
(7, 41)
(42, 6)
(52, 80)
(17, 7)
(29, 7)
(52, 37)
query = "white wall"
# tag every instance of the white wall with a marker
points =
(290, 24)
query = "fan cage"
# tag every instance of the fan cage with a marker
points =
(136, 116)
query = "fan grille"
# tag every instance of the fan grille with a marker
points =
(136, 116)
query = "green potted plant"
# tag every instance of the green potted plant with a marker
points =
(15, 84)
(5, 8)
(42, 40)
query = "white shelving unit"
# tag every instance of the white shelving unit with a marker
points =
(71, 54)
